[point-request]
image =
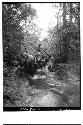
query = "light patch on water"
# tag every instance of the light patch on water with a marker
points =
(48, 100)
(39, 77)
(35, 77)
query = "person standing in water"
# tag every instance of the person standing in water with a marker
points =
(38, 55)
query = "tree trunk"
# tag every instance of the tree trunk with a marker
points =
(64, 15)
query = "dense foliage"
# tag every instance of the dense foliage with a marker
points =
(12, 15)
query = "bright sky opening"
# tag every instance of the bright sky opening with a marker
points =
(46, 17)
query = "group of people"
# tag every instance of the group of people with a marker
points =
(32, 63)
(39, 62)
(36, 58)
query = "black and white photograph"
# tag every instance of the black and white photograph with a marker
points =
(41, 56)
